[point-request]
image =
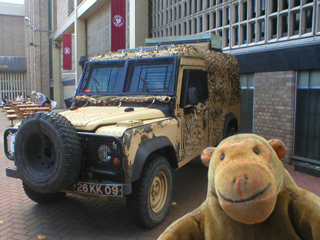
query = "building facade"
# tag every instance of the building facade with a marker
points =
(12, 51)
(277, 43)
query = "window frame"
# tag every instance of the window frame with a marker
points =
(87, 73)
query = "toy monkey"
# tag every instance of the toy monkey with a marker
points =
(250, 196)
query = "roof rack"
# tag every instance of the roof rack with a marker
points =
(141, 49)
(208, 40)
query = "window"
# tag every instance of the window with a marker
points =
(236, 13)
(226, 37)
(243, 34)
(296, 3)
(200, 22)
(152, 76)
(252, 32)
(284, 25)
(273, 29)
(195, 26)
(296, 23)
(194, 78)
(214, 15)
(220, 18)
(285, 4)
(307, 131)
(263, 7)
(261, 30)
(253, 6)
(208, 21)
(274, 6)
(185, 9)
(226, 16)
(244, 11)
(103, 78)
(247, 94)
(146, 76)
(308, 20)
(235, 35)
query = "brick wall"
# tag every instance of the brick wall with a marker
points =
(64, 8)
(274, 94)
(12, 36)
(38, 54)
(99, 32)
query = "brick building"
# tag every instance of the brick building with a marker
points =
(277, 43)
(38, 47)
(12, 50)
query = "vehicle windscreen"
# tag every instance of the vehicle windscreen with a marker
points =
(127, 77)
(103, 78)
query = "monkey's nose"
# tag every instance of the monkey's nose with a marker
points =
(239, 179)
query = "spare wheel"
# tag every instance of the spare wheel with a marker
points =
(47, 152)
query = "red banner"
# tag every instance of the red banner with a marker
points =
(118, 26)
(67, 51)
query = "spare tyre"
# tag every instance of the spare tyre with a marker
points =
(47, 152)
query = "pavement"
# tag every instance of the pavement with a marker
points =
(77, 217)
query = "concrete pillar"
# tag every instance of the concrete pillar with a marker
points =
(138, 16)
(56, 72)
(80, 46)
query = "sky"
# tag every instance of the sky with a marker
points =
(13, 1)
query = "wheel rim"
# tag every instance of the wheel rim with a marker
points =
(41, 155)
(159, 192)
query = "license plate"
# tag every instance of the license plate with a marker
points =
(98, 189)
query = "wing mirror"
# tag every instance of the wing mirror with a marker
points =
(192, 97)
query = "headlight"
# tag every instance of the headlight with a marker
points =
(104, 153)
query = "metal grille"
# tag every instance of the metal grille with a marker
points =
(91, 144)
(12, 83)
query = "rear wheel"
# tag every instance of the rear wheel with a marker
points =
(151, 195)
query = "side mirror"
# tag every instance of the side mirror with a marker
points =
(192, 98)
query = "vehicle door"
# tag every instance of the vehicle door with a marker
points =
(195, 115)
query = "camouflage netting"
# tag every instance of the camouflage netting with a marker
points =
(223, 69)
(223, 76)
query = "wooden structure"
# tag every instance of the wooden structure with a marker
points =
(20, 111)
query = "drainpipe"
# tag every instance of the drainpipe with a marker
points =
(50, 27)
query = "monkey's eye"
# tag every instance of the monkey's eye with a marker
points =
(256, 151)
(222, 156)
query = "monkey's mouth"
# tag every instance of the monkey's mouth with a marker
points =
(247, 199)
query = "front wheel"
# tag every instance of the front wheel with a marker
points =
(151, 194)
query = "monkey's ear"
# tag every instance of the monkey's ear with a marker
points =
(206, 155)
(279, 147)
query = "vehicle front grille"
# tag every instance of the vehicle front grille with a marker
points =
(91, 160)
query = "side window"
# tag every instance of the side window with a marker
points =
(197, 79)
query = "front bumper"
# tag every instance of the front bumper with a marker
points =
(126, 187)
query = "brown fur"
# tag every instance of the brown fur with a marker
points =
(250, 196)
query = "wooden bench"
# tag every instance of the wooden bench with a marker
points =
(24, 112)
(12, 117)
(10, 111)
